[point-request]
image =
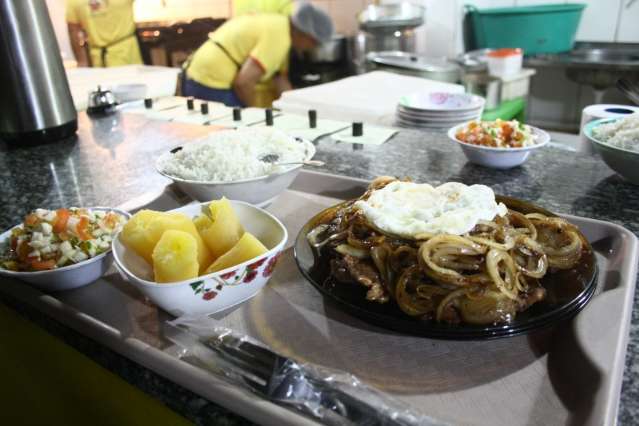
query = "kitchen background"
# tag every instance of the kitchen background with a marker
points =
(555, 101)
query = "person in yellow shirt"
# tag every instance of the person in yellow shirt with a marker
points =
(107, 27)
(246, 7)
(265, 91)
(250, 49)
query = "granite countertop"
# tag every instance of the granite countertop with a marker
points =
(112, 161)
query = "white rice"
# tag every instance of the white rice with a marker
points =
(622, 133)
(232, 155)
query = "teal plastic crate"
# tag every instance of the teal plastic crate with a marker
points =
(535, 29)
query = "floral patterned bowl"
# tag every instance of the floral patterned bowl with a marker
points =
(214, 292)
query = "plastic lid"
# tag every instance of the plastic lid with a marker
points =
(502, 53)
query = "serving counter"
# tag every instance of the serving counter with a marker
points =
(111, 163)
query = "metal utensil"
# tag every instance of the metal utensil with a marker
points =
(101, 102)
(273, 159)
(629, 89)
(285, 382)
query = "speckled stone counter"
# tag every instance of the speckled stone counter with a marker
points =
(112, 161)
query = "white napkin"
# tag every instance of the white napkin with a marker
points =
(373, 135)
(249, 116)
(298, 125)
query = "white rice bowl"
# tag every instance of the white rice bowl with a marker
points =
(233, 155)
(622, 133)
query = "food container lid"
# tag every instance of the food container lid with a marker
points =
(502, 53)
(410, 61)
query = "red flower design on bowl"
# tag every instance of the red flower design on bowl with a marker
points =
(209, 295)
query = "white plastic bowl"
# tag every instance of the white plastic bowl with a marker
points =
(260, 191)
(505, 65)
(498, 158)
(67, 277)
(214, 292)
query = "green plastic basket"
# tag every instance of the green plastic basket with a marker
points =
(535, 29)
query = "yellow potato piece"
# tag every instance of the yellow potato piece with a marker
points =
(147, 227)
(175, 257)
(220, 230)
(135, 236)
(179, 222)
(247, 248)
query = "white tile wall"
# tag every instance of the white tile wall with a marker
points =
(56, 12)
(599, 20)
(628, 29)
(175, 10)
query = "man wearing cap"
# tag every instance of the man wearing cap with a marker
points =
(250, 49)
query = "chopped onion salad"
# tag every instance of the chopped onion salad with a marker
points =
(49, 239)
(497, 134)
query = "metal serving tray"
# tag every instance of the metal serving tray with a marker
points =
(567, 374)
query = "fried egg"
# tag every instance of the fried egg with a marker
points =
(408, 209)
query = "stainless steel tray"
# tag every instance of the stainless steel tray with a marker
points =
(570, 373)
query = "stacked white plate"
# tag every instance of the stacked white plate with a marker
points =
(438, 110)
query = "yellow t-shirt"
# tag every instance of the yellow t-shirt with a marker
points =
(244, 7)
(266, 38)
(108, 23)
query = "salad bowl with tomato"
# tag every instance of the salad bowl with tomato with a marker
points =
(61, 249)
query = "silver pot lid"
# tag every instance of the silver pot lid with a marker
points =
(391, 16)
(411, 61)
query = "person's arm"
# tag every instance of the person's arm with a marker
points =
(282, 83)
(77, 37)
(246, 79)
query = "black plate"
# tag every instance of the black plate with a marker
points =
(568, 292)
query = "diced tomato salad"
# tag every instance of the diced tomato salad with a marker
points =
(49, 239)
(497, 134)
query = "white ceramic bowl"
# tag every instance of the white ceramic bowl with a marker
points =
(622, 161)
(260, 191)
(67, 277)
(442, 102)
(498, 158)
(214, 292)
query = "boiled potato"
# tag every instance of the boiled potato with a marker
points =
(135, 236)
(247, 248)
(175, 257)
(149, 226)
(180, 222)
(220, 228)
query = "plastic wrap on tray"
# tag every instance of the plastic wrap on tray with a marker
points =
(330, 396)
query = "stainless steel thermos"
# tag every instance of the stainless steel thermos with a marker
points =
(35, 100)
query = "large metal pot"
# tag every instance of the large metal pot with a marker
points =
(391, 26)
(330, 52)
(438, 69)
(391, 17)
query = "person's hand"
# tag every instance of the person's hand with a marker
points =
(282, 84)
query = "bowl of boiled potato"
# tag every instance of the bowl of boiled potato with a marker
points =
(200, 258)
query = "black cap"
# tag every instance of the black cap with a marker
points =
(269, 117)
(358, 128)
(148, 103)
(190, 104)
(237, 114)
(204, 108)
(312, 118)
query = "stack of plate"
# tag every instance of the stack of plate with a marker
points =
(438, 110)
